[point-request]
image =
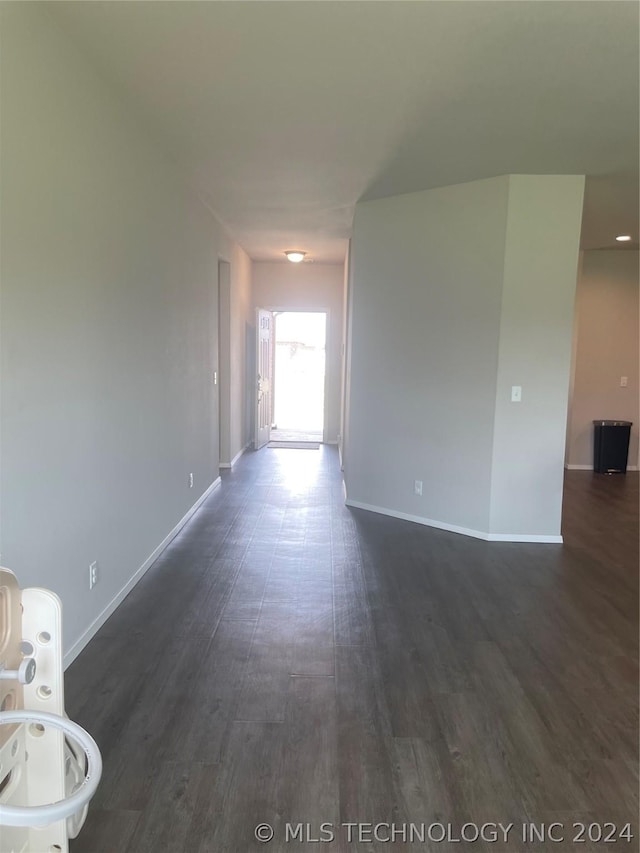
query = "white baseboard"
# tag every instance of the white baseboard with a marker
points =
(99, 621)
(590, 467)
(235, 458)
(541, 538)
(454, 528)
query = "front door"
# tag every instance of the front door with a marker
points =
(264, 370)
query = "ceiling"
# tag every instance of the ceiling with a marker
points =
(285, 114)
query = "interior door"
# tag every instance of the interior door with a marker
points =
(264, 371)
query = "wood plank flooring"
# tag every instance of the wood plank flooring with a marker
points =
(288, 660)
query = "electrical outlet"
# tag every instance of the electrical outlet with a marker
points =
(93, 574)
(190, 481)
(624, 381)
(417, 487)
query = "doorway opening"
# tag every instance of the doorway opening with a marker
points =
(299, 376)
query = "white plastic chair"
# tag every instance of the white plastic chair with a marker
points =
(50, 767)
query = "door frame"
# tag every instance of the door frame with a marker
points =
(327, 340)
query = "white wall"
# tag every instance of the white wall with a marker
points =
(574, 345)
(109, 325)
(345, 356)
(606, 348)
(426, 289)
(456, 293)
(536, 327)
(309, 287)
(242, 332)
(224, 361)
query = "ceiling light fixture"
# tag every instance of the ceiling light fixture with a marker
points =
(295, 257)
(623, 238)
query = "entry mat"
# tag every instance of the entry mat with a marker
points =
(295, 445)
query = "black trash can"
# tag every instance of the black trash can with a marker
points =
(611, 446)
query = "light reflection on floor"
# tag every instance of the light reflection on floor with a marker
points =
(298, 470)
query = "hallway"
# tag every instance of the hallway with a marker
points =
(290, 660)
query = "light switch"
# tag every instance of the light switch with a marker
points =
(623, 381)
(516, 393)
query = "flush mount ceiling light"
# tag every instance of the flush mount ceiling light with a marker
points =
(295, 257)
(623, 238)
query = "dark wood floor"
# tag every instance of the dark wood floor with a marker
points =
(290, 660)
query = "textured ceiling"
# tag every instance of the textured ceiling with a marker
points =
(285, 114)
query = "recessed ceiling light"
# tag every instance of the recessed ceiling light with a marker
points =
(295, 257)
(623, 238)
